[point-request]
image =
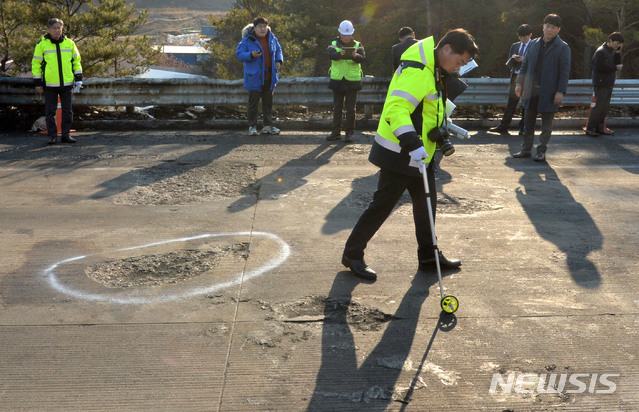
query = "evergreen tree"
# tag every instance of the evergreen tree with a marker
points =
(608, 16)
(15, 29)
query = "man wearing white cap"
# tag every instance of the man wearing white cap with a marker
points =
(347, 56)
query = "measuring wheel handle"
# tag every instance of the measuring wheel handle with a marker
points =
(449, 304)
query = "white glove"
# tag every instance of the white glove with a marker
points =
(419, 155)
(76, 87)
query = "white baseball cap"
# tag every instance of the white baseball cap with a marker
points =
(346, 28)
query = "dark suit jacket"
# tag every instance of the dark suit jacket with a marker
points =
(514, 49)
(399, 49)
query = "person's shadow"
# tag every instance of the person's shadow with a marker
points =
(612, 149)
(340, 382)
(560, 219)
(362, 189)
(163, 171)
(286, 178)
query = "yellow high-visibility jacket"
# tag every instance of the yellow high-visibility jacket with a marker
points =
(345, 68)
(413, 83)
(56, 63)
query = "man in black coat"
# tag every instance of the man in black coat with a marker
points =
(515, 57)
(406, 39)
(605, 63)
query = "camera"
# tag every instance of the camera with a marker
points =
(440, 135)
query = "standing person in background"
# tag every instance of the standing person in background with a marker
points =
(347, 56)
(516, 57)
(57, 71)
(262, 56)
(606, 62)
(541, 85)
(406, 39)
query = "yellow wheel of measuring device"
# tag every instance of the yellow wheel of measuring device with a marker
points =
(449, 304)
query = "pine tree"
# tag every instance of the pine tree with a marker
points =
(104, 32)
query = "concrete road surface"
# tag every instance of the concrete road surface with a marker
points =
(200, 270)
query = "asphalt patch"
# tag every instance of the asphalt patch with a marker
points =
(161, 269)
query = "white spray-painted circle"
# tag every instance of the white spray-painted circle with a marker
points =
(271, 264)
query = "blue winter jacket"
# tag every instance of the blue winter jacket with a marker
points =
(254, 67)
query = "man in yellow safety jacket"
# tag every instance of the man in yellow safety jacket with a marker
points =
(347, 56)
(57, 70)
(409, 131)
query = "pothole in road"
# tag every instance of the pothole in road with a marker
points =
(179, 183)
(332, 310)
(447, 204)
(164, 268)
(461, 205)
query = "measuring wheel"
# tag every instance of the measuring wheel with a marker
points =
(449, 304)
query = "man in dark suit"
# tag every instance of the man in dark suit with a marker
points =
(406, 39)
(515, 57)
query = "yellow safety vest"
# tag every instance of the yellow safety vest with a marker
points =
(345, 68)
(50, 55)
(409, 87)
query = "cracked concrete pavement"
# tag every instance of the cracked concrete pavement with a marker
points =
(200, 270)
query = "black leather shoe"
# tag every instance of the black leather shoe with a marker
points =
(52, 140)
(522, 154)
(334, 136)
(67, 139)
(540, 157)
(592, 132)
(499, 129)
(359, 268)
(348, 137)
(444, 263)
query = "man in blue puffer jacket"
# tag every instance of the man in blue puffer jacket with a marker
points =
(262, 56)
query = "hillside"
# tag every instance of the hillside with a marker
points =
(174, 17)
(199, 5)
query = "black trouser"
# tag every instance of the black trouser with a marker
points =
(599, 112)
(338, 106)
(529, 126)
(51, 105)
(511, 106)
(390, 188)
(266, 94)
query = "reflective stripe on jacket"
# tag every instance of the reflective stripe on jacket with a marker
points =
(345, 68)
(411, 85)
(56, 63)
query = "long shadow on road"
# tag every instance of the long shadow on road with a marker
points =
(559, 218)
(286, 178)
(163, 171)
(340, 383)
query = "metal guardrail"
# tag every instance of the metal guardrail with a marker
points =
(495, 92)
(290, 91)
